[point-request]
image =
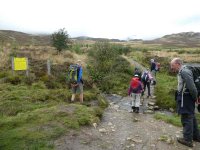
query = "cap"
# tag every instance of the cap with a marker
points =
(136, 75)
(152, 60)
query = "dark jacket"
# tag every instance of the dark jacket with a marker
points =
(153, 66)
(187, 92)
(188, 106)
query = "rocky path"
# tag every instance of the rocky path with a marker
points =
(122, 130)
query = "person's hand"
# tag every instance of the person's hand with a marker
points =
(198, 100)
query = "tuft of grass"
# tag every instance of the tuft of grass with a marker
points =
(165, 90)
(173, 119)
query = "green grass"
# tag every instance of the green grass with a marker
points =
(165, 90)
(32, 117)
(173, 119)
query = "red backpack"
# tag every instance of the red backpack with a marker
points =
(135, 83)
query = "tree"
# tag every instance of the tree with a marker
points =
(60, 39)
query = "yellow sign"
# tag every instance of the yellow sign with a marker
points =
(20, 64)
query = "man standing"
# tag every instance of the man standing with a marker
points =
(186, 96)
(78, 87)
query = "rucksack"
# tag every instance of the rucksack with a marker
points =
(73, 73)
(145, 77)
(157, 68)
(135, 83)
(196, 75)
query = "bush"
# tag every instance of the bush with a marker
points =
(50, 82)
(30, 79)
(3, 74)
(14, 79)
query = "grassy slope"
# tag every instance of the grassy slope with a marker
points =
(31, 117)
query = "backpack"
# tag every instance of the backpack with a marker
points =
(73, 73)
(145, 77)
(135, 84)
(157, 68)
(196, 75)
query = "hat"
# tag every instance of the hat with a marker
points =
(136, 75)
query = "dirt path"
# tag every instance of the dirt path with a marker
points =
(121, 130)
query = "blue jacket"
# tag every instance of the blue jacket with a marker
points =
(80, 74)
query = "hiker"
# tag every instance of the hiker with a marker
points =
(146, 80)
(137, 72)
(77, 87)
(186, 96)
(153, 71)
(135, 91)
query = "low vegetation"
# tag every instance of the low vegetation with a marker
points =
(31, 117)
(108, 69)
(35, 110)
(173, 119)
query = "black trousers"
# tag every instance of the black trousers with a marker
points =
(148, 87)
(190, 127)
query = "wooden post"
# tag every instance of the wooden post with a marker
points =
(12, 61)
(27, 69)
(48, 67)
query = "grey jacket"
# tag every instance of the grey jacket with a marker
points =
(186, 82)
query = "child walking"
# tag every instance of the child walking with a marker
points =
(135, 91)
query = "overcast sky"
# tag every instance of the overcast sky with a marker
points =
(122, 19)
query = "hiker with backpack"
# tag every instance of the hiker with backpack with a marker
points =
(137, 72)
(186, 96)
(146, 80)
(135, 90)
(75, 77)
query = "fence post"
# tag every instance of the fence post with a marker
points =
(48, 67)
(12, 61)
(27, 69)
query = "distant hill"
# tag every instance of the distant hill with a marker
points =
(184, 39)
(97, 39)
(8, 36)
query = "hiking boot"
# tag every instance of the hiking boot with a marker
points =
(184, 142)
(133, 107)
(196, 140)
(136, 109)
(154, 83)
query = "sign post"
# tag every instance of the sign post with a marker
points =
(20, 64)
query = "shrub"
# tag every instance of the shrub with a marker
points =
(60, 40)
(14, 79)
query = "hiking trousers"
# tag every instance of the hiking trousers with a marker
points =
(136, 99)
(148, 87)
(190, 127)
(153, 73)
